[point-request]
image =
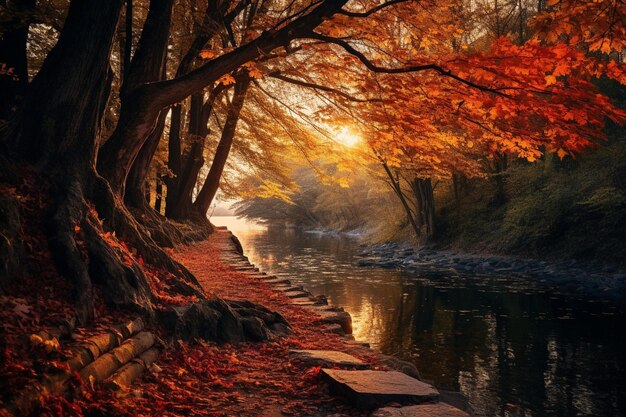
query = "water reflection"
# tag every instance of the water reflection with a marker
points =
(512, 348)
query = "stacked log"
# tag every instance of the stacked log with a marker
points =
(116, 358)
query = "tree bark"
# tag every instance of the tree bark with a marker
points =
(135, 195)
(210, 26)
(57, 129)
(147, 65)
(13, 59)
(212, 182)
(397, 189)
(423, 190)
(181, 204)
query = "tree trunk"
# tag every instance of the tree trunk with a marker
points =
(158, 194)
(205, 32)
(135, 184)
(147, 65)
(212, 182)
(423, 190)
(181, 205)
(174, 159)
(397, 189)
(13, 60)
(57, 130)
(500, 165)
(128, 40)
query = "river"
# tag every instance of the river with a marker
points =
(510, 346)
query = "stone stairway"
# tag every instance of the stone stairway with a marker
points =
(346, 375)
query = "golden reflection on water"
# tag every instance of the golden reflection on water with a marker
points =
(508, 348)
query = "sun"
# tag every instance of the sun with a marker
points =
(347, 137)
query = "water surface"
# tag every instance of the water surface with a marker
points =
(510, 346)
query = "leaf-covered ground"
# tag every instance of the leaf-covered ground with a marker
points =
(191, 379)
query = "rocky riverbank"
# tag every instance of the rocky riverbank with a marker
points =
(596, 280)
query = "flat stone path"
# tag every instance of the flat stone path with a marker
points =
(422, 410)
(364, 388)
(368, 389)
(328, 358)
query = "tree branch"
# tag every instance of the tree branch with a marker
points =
(411, 68)
(372, 10)
(306, 84)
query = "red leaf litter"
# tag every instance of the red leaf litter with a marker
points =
(199, 378)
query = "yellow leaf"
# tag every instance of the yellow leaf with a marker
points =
(550, 79)
(561, 153)
(207, 54)
(226, 79)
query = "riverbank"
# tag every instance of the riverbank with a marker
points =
(571, 276)
(203, 378)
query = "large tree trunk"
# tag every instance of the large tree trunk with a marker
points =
(212, 182)
(57, 130)
(13, 58)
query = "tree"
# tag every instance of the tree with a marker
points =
(441, 101)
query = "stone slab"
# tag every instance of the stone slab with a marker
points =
(289, 288)
(328, 358)
(334, 328)
(277, 281)
(423, 410)
(304, 302)
(341, 318)
(369, 389)
(296, 294)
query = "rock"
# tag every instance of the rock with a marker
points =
(327, 358)
(334, 328)
(341, 318)
(224, 322)
(254, 329)
(280, 329)
(423, 410)
(277, 281)
(400, 365)
(296, 294)
(304, 302)
(369, 389)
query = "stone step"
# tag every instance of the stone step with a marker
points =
(296, 294)
(327, 358)
(304, 302)
(334, 328)
(246, 268)
(423, 410)
(289, 288)
(277, 281)
(341, 318)
(370, 389)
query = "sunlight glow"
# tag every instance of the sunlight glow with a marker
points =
(347, 137)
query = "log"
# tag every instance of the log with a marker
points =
(97, 345)
(107, 364)
(128, 373)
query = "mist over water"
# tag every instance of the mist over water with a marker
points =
(512, 347)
